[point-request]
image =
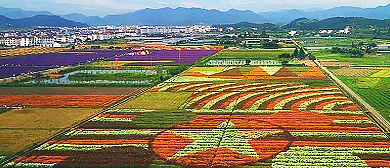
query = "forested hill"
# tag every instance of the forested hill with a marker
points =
(336, 23)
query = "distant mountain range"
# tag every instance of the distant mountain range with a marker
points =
(285, 16)
(192, 16)
(169, 16)
(182, 16)
(17, 13)
(259, 26)
(38, 20)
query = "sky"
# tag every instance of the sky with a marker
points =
(105, 7)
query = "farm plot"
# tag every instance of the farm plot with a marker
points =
(67, 90)
(260, 96)
(125, 77)
(384, 73)
(30, 63)
(20, 128)
(239, 57)
(39, 98)
(165, 57)
(261, 73)
(374, 90)
(354, 71)
(160, 101)
(59, 100)
(344, 60)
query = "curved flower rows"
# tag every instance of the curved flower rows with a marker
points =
(254, 97)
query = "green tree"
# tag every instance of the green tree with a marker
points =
(302, 53)
(357, 53)
(311, 56)
(284, 63)
(247, 62)
(295, 53)
(373, 45)
(270, 45)
(264, 35)
(284, 56)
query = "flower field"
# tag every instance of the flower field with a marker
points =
(65, 99)
(30, 63)
(258, 57)
(161, 56)
(284, 138)
(260, 96)
(225, 117)
(59, 100)
(262, 73)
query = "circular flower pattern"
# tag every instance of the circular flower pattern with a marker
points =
(220, 141)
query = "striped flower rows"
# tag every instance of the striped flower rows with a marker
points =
(254, 97)
(327, 157)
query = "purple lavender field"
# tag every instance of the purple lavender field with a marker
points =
(8, 71)
(19, 65)
(187, 57)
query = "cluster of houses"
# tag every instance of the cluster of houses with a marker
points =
(61, 37)
(346, 30)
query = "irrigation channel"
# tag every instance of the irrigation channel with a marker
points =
(370, 111)
(74, 126)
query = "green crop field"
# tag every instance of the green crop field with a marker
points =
(158, 100)
(368, 60)
(162, 119)
(338, 42)
(375, 91)
(252, 54)
(265, 54)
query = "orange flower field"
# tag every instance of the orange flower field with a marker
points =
(59, 100)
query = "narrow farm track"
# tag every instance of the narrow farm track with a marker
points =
(131, 95)
(371, 112)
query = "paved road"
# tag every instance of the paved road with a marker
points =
(371, 112)
(299, 46)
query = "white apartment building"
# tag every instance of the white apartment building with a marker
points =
(10, 41)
